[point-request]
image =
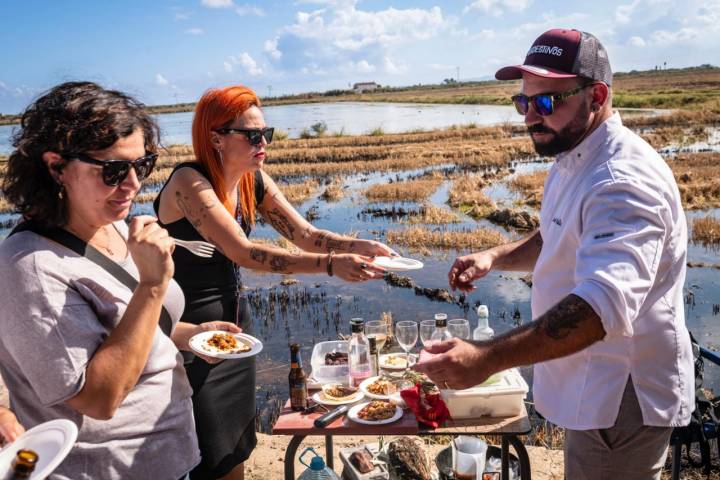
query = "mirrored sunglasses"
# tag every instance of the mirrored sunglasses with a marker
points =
(254, 135)
(543, 103)
(114, 172)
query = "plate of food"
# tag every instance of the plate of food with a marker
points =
(337, 394)
(396, 361)
(51, 441)
(378, 388)
(376, 412)
(399, 264)
(222, 344)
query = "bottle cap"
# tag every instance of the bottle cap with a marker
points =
(441, 316)
(482, 311)
(317, 463)
(357, 325)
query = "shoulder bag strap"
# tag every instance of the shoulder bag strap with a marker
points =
(67, 239)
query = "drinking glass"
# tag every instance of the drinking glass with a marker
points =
(406, 333)
(377, 329)
(459, 328)
(427, 327)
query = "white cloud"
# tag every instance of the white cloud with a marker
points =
(637, 42)
(160, 80)
(496, 8)
(243, 10)
(668, 38)
(362, 66)
(623, 13)
(392, 67)
(271, 48)
(217, 3)
(195, 31)
(441, 66)
(227, 66)
(247, 63)
(181, 15)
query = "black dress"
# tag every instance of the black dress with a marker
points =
(224, 393)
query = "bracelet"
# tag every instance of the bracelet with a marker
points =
(329, 264)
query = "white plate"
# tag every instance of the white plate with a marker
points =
(399, 264)
(320, 398)
(353, 415)
(52, 441)
(363, 388)
(383, 358)
(198, 344)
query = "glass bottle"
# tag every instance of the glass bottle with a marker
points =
(358, 354)
(23, 465)
(441, 333)
(297, 380)
(483, 330)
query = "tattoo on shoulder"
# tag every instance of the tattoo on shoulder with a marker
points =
(564, 317)
(195, 217)
(258, 255)
(281, 223)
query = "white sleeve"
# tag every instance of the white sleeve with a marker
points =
(621, 241)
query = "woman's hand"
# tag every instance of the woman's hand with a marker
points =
(10, 428)
(355, 268)
(151, 248)
(372, 248)
(207, 327)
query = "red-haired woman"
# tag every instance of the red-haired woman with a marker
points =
(216, 199)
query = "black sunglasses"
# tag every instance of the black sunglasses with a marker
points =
(254, 135)
(543, 103)
(114, 172)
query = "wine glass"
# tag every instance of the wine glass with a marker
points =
(427, 327)
(377, 329)
(459, 328)
(406, 333)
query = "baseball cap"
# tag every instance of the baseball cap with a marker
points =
(563, 53)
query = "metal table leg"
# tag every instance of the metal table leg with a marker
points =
(290, 456)
(329, 451)
(522, 455)
(504, 458)
(676, 457)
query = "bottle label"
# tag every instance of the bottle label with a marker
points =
(298, 394)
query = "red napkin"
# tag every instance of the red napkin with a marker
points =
(429, 407)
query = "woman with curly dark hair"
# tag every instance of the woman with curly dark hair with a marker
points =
(90, 312)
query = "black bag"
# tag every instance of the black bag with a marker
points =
(704, 425)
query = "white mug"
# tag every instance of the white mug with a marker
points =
(468, 458)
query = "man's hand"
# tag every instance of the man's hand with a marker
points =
(10, 428)
(456, 364)
(469, 268)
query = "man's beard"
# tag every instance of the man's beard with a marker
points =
(563, 140)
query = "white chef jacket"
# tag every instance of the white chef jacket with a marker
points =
(614, 233)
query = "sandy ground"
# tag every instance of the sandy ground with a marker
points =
(267, 459)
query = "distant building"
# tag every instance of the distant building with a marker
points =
(365, 87)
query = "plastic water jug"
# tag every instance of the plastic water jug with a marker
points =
(317, 469)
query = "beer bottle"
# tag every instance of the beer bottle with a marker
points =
(297, 380)
(23, 465)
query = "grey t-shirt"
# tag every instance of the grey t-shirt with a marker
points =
(57, 308)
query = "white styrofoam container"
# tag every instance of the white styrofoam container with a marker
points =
(501, 399)
(328, 373)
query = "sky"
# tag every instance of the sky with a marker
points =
(168, 51)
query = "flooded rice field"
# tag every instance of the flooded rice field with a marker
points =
(310, 308)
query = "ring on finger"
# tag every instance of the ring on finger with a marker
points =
(363, 265)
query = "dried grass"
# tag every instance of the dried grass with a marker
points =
(299, 192)
(531, 185)
(424, 238)
(697, 178)
(410, 191)
(333, 192)
(433, 215)
(706, 231)
(466, 194)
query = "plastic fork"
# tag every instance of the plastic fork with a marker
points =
(201, 249)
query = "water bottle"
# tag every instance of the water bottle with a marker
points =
(483, 330)
(317, 469)
(359, 367)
